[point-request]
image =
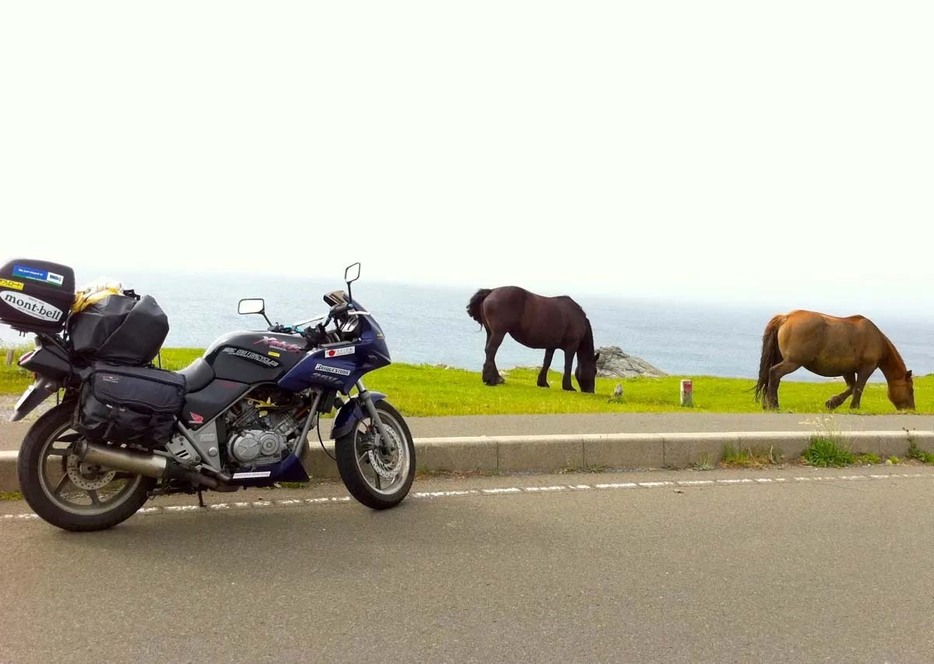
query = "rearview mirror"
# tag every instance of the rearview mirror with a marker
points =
(255, 305)
(352, 273)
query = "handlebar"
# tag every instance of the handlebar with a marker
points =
(318, 334)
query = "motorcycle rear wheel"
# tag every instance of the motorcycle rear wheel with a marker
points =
(66, 492)
(377, 475)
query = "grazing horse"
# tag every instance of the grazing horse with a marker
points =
(851, 347)
(537, 322)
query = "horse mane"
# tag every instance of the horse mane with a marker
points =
(893, 351)
(586, 347)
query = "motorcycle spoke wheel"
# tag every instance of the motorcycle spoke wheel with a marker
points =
(70, 493)
(377, 472)
(78, 487)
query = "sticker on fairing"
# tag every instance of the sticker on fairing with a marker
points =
(250, 355)
(15, 285)
(333, 370)
(31, 306)
(253, 475)
(278, 344)
(36, 274)
(337, 352)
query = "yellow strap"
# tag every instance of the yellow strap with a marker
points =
(89, 296)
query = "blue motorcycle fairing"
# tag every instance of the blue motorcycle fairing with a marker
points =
(290, 469)
(351, 413)
(339, 366)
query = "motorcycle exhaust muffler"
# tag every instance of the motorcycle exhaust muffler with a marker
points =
(139, 463)
(132, 461)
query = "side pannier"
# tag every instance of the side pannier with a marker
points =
(129, 404)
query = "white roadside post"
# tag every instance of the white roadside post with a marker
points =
(687, 393)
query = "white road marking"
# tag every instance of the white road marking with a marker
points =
(514, 490)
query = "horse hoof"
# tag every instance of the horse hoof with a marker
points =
(544, 385)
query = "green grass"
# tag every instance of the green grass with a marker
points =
(826, 452)
(423, 390)
(735, 457)
(915, 452)
(10, 495)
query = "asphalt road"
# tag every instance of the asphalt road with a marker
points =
(747, 566)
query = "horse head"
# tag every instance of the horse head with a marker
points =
(586, 372)
(902, 392)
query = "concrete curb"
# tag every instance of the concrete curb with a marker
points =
(583, 452)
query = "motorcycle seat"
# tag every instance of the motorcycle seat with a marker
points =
(197, 375)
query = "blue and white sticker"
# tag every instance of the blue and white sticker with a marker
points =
(35, 274)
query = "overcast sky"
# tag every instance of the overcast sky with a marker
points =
(775, 151)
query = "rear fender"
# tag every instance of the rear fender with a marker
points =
(350, 414)
(35, 394)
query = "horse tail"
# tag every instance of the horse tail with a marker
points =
(771, 355)
(473, 307)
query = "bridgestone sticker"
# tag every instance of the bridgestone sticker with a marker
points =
(31, 306)
(332, 370)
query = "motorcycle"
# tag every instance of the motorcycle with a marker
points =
(124, 430)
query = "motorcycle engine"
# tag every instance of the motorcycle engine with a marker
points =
(262, 432)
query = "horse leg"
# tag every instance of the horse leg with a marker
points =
(490, 372)
(546, 365)
(835, 401)
(568, 364)
(783, 368)
(861, 377)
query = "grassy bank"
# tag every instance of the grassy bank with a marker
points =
(422, 390)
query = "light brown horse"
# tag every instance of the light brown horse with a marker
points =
(852, 347)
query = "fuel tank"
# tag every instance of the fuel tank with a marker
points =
(255, 357)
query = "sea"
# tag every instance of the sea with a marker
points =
(427, 324)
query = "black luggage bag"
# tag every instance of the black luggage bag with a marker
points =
(121, 329)
(138, 405)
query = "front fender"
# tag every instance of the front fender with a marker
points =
(351, 413)
(35, 394)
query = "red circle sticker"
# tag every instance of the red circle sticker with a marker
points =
(331, 353)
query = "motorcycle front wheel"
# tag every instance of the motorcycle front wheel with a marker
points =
(69, 493)
(377, 473)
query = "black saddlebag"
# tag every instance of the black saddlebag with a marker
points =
(122, 329)
(130, 404)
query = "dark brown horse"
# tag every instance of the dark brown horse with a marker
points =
(851, 347)
(537, 322)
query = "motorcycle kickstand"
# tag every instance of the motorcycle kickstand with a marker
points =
(200, 499)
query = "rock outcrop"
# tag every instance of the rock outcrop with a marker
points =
(615, 363)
